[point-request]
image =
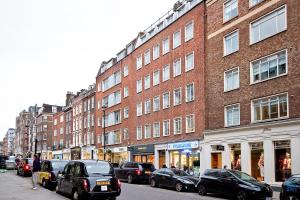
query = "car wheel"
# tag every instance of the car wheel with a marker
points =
(76, 195)
(201, 190)
(242, 195)
(179, 187)
(129, 179)
(44, 184)
(153, 183)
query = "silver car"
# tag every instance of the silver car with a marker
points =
(10, 164)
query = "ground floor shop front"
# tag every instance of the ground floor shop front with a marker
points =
(182, 155)
(268, 152)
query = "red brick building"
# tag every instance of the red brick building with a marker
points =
(252, 87)
(153, 92)
(21, 141)
(59, 135)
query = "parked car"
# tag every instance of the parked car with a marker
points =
(10, 164)
(173, 178)
(233, 183)
(291, 189)
(2, 161)
(47, 177)
(25, 167)
(134, 171)
(89, 179)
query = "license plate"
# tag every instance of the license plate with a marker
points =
(147, 172)
(268, 198)
(104, 188)
(102, 182)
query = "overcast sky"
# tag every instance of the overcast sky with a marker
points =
(49, 47)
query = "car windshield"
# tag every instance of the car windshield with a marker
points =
(58, 165)
(179, 172)
(243, 176)
(98, 168)
(295, 180)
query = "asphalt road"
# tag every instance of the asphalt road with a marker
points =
(13, 187)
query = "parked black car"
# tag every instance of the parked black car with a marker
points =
(233, 183)
(47, 177)
(2, 161)
(135, 172)
(89, 179)
(173, 178)
(291, 189)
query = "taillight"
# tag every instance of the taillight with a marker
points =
(27, 167)
(85, 185)
(138, 172)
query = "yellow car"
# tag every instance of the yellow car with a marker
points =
(47, 177)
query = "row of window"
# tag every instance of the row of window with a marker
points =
(189, 34)
(268, 67)
(263, 109)
(230, 8)
(166, 73)
(264, 27)
(177, 127)
(166, 99)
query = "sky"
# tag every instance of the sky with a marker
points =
(49, 47)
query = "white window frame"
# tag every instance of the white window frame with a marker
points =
(147, 57)
(165, 76)
(156, 135)
(156, 97)
(156, 54)
(139, 86)
(169, 105)
(165, 51)
(180, 67)
(154, 82)
(174, 97)
(268, 97)
(126, 91)
(139, 62)
(175, 131)
(251, 4)
(174, 45)
(224, 42)
(126, 112)
(226, 109)
(147, 111)
(187, 37)
(147, 82)
(284, 7)
(164, 131)
(139, 109)
(225, 79)
(186, 95)
(226, 20)
(125, 71)
(265, 57)
(147, 136)
(193, 66)
(186, 123)
(139, 137)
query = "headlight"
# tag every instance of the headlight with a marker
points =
(187, 182)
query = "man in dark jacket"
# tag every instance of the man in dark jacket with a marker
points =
(36, 168)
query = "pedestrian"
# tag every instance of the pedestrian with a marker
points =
(36, 168)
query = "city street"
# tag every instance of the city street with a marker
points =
(13, 187)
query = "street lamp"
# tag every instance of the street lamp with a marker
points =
(103, 109)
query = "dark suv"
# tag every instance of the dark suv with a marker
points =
(233, 183)
(135, 171)
(89, 179)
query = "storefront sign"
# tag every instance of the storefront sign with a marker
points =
(119, 149)
(142, 149)
(220, 148)
(183, 145)
(66, 151)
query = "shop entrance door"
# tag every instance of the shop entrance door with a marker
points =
(257, 160)
(162, 158)
(216, 160)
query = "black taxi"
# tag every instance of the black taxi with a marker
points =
(89, 179)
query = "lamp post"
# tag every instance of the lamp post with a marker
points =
(104, 145)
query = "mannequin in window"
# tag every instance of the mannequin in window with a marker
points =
(287, 166)
(238, 163)
(261, 166)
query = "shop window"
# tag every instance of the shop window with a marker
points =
(282, 160)
(235, 156)
(257, 160)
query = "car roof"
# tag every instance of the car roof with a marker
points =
(90, 161)
(296, 175)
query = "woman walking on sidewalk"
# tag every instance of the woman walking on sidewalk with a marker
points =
(35, 170)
